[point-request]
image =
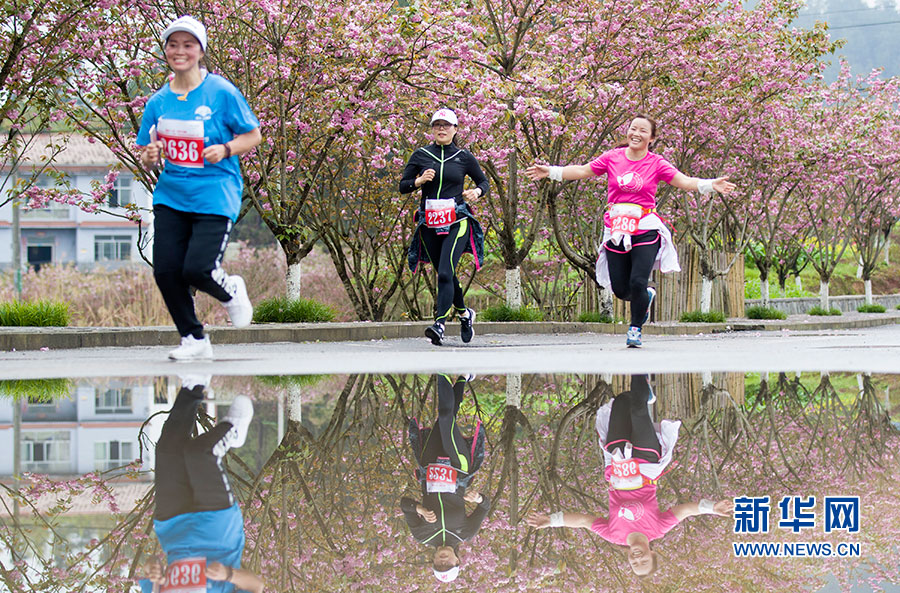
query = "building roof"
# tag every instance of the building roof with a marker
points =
(77, 151)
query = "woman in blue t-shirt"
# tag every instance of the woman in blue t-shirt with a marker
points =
(197, 519)
(196, 125)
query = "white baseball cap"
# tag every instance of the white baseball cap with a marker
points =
(449, 575)
(188, 24)
(445, 114)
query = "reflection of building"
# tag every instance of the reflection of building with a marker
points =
(95, 429)
(62, 233)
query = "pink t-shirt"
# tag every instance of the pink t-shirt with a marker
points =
(634, 510)
(633, 181)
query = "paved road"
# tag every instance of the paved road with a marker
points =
(873, 350)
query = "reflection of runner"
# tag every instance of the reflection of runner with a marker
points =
(636, 453)
(635, 239)
(197, 520)
(446, 462)
(445, 226)
(199, 123)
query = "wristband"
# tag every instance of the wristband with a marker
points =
(706, 506)
(556, 519)
(555, 173)
(227, 150)
(704, 186)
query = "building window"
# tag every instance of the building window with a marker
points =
(46, 452)
(113, 401)
(112, 248)
(120, 194)
(112, 454)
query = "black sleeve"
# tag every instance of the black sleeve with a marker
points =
(473, 170)
(474, 521)
(408, 506)
(410, 172)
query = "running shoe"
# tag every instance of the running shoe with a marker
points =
(189, 381)
(652, 292)
(239, 416)
(633, 337)
(652, 399)
(239, 308)
(466, 331)
(436, 333)
(192, 349)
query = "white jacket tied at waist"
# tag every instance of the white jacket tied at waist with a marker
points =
(666, 257)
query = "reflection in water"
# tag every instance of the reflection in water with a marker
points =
(319, 489)
(446, 462)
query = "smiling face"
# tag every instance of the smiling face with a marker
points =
(443, 132)
(183, 52)
(641, 558)
(640, 134)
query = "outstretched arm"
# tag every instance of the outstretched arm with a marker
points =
(722, 508)
(569, 172)
(719, 184)
(576, 520)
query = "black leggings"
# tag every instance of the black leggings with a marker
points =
(629, 272)
(444, 252)
(189, 477)
(187, 250)
(629, 422)
(449, 441)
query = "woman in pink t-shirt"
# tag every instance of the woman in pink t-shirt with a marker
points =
(635, 239)
(636, 453)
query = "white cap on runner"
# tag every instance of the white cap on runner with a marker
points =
(449, 575)
(188, 24)
(445, 114)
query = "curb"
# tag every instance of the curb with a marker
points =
(64, 338)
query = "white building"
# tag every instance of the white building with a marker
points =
(95, 429)
(62, 233)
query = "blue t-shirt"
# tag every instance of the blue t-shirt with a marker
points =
(217, 536)
(224, 113)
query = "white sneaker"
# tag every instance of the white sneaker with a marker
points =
(191, 381)
(239, 415)
(240, 309)
(192, 349)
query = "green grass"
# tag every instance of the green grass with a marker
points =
(698, 317)
(506, 313)
(820, 311)
(283, 310)
(873, 308)
(760, 312)
(36, 390)
(34, 314)
(594, 317)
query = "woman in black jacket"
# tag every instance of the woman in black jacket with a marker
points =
(446, 462)
(445, 226)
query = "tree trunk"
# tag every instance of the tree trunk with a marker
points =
(823, 294)
(605, 298)
(514, 390)
(764, 290)
(798, 282)
(514, 288)
(294, 402)
(706, 285)
(859, 270)
(868, 284)
(887, 250)
(293, 282)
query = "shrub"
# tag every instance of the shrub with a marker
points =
(594, 317)
(34, 314)
(820, 311)
(873, 308)
(507, 313)
(699, 317)
(36, 390)
(283, 310)
(760, 312)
